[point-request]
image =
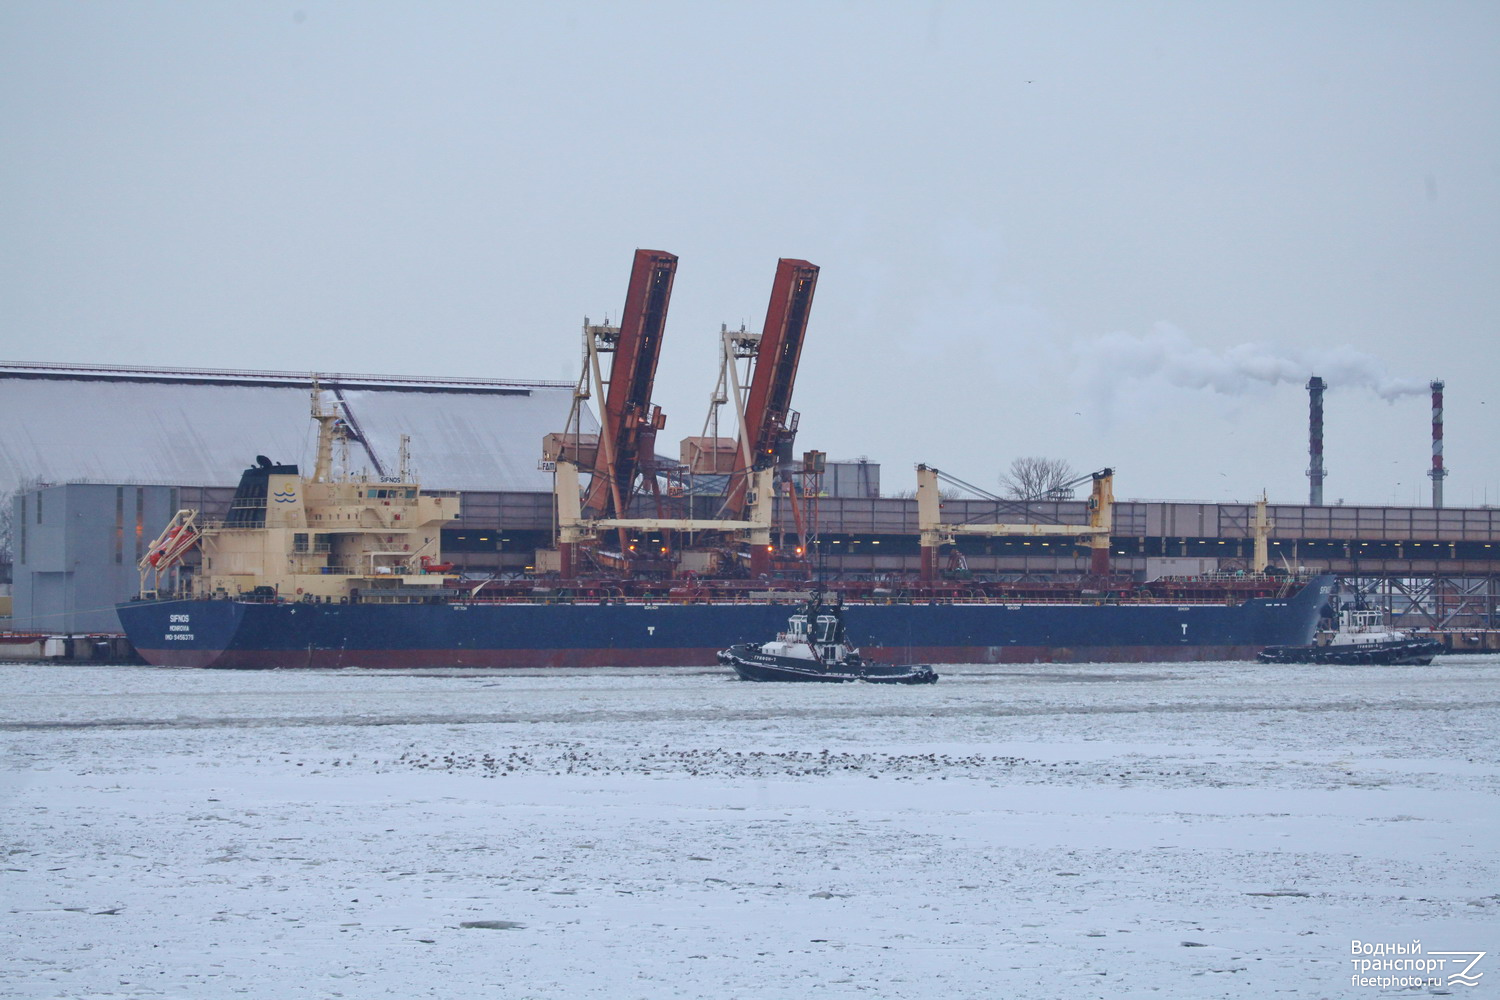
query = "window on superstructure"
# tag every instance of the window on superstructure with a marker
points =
(299, 541)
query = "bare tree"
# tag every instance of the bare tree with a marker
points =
(944, 493)
(7, 525)
(1036, 478)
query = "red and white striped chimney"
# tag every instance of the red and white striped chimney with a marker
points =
(1437, 472)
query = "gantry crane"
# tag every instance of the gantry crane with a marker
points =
(767, 423)
(936, 533)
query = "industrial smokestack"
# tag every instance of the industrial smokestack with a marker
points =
(1437, 472)
(1315, 387)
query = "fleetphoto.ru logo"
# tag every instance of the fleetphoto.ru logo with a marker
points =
(1405, 965)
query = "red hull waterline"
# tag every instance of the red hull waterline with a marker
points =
(391, 659)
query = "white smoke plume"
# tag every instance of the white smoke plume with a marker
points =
(1167, 354)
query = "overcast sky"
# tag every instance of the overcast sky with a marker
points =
(1117, 234)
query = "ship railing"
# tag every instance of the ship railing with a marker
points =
(1237, 576)
(1221, 576)
(246, 598)
(408, 597)
(736, 600)
(221, 524)
(1074, 599)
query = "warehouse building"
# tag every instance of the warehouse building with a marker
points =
(95, 459)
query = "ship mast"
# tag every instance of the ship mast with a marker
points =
(327, 419)
(1261, 531)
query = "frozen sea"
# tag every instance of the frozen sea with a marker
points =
(1111, 830)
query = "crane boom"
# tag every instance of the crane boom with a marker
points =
(768, 422)
(628, 421)
(935, 532)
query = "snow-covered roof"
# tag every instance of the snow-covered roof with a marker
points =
(71, 423)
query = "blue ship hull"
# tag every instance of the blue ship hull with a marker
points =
(239, 634)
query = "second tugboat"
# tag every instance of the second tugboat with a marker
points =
(1362, 637)
(815, 647)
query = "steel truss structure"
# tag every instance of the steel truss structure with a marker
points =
(1437, 601)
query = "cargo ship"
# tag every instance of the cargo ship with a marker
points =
(448, 630)
(336, 570)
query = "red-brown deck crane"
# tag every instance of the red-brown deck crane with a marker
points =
(628, 420)
(767, 421)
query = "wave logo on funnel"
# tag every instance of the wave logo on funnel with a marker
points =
(288, 495)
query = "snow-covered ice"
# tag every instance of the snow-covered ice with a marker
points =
(1182, 830)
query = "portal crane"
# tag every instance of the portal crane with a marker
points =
(628, 421)
(935, 533)
(767, 423)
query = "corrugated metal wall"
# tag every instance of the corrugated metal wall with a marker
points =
(203, 432)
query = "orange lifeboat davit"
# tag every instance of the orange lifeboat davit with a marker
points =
(173, 543)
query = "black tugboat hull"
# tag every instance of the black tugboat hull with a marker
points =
(754, 666)
(1401, 653)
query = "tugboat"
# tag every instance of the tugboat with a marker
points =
(815, 647)
(1362, 637)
